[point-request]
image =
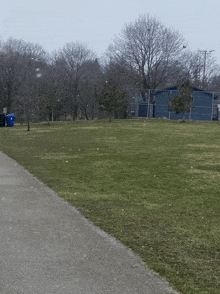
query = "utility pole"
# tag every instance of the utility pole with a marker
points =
(205, 53)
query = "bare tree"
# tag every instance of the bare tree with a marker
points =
(190, 66)
(149, 47)
(120, 72)
(90, 80)
(215, 83)
(198, 71)
(210, 70)
(19, 61)
(74, 64)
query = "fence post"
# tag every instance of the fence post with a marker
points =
(212, 105)
(148, 103)
(171, 93)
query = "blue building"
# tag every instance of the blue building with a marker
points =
(203, 105)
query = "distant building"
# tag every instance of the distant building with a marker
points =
(156, 105)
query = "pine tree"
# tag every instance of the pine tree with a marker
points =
(113, 100)
(182, 103)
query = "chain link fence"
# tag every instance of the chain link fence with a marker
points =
(154, 104)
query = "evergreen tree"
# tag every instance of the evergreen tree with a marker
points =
(182, 103)
(113, 100)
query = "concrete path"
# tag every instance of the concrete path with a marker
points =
(47, 246)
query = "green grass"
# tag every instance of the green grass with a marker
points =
(152, 184)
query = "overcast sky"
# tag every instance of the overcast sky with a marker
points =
(53, 23)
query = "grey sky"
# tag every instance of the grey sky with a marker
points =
(53, 23)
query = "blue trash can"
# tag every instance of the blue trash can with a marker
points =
(10, 118)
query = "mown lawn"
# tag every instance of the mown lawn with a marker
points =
(152, 184)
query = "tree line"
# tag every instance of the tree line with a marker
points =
(73, 82)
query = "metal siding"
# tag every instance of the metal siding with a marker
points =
(201, 111)
(202, 99)
(174, 115)
(161, 111)
(203, 106)
(161, 106)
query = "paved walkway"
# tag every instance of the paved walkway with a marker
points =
(47, 246)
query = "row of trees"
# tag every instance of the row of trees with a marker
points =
(73, 82)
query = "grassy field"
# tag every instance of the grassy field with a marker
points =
(152, 184)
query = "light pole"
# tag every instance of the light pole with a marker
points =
(37, 76)
(205, 52)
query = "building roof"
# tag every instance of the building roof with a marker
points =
(175, 88)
